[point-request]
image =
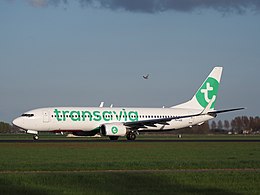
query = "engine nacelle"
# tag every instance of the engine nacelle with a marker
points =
(113, 129)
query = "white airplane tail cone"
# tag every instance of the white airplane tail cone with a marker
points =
(207, 93)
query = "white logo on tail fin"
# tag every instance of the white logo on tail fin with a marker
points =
(206, 93)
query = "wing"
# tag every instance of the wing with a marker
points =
(164, 121)
(154, 122)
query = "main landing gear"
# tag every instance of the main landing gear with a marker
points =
(131, 135)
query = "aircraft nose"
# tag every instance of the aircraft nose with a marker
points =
(18, 122)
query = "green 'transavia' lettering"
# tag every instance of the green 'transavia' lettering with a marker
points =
(96, 115)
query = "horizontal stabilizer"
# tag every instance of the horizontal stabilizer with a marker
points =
(227, 110)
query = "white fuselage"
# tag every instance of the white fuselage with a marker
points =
(91, 118)
(117, 122)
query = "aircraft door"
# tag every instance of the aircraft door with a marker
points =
(191, 120)
(46, 117)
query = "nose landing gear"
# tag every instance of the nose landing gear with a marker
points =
(35, 137)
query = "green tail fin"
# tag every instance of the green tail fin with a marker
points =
(207, 93)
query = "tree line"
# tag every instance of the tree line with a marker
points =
(7, 128)
(238, 124)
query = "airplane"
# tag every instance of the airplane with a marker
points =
(146, 77)
(115, 122)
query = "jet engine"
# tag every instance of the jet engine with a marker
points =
(112, 129)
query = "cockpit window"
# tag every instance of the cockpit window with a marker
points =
(28, 115)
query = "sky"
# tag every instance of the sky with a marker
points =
(82, 52)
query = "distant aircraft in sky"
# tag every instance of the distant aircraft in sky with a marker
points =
(146, 77)
(116, 122)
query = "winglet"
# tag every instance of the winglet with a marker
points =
(101, 104)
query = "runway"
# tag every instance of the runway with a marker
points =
(133, 171)
(126, 141)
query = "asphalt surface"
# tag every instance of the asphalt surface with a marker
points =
(138, 141)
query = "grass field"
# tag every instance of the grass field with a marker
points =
(130, 167)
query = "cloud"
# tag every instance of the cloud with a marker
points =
(38, 3)
(154, 6)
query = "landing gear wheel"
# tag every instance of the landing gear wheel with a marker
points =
(113, 137)
(35, 137)
(131, 136)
